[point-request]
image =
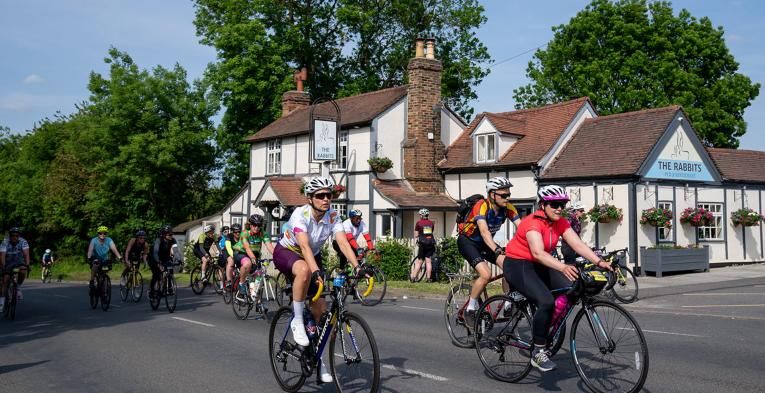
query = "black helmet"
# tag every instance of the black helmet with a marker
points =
(255, 219)
(236, 227)
(14, 230)
(165, 229)
(140, 233)
(225, 228)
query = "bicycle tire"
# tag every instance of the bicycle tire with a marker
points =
(154, 301)
(345, 374)
(195, 281)
(455, 324)
(282, 350)
(378, 290)
(496, 332)
(552, 346)
(218, 275)
(93, 294)
(585, 347)
(105, 290)
(126, 282)
(136, 290)
(241, 308)
(11, 299)
(420, 274)
(171, 294)
(622, 289)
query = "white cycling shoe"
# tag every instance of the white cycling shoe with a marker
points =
(298, 333)
(324, 374)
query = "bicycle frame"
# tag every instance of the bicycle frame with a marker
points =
(461, 281)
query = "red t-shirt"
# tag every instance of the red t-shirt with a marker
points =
(518, 248)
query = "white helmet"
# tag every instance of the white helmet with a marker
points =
(318, 183)
(47, 251)
(424, 212)
(208, 228)
(552, 193)
(577, 205)
(497, 183)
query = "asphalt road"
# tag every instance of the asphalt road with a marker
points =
(701, 341)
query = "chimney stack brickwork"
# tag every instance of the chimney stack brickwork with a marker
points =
(424, 116)
(293, 100)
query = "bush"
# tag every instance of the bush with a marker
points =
(393, 258)
(451, 259)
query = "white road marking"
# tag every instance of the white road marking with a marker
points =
(725, 305)
(725, 294)
(421, 308)
(61, 296)
(661, 332)
(408, 371)
(691, 314)
(194, 322)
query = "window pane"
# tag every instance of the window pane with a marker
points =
(481, 148)
(385, 224)
(490, 148)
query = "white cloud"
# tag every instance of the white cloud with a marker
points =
(24, 102)
(33, 78)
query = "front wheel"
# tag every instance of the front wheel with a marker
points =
(626, 288)
(372, 290)
(420, 273)
(608, 348)
(106, 292)
(171, 294)
(126, 280)
(241, 308)
(503, 339)
(10, 301)
(285, 354)
(355, 366)
(218, 279)
(454, 308)
(154, 300)
(197, 285)
(136, 289)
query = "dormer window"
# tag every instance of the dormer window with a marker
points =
(486, 148)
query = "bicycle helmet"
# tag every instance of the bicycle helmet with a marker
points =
(355, 213)
(497, 183)
(47, 250)
(318, 183)
(552, 193)
(255, 219)
(577, 205)
(224, 229)
(103, 228)
(208, 228)
(165, 230)
(140, 233)
(14, 230)
(424, 212)
(236, 228)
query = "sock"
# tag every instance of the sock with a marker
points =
(507, 305)
(472, 304)
(297, 309)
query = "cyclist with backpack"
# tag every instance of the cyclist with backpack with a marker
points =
(484, 218)
(426, 245)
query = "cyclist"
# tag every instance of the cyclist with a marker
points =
(137, 250)
(161, 255)
(298, 254)
(98, 252)
(476, 237)
(202, 247)
(353, 227)
(533, 271)
(248, 251)
(574, 218)
(14, 252)
(228, 253)
(426, 244)
(46, 262)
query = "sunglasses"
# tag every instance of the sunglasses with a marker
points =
(557, 205)
(102, 233)
(235, 232)
(503, 196)
(323, 195)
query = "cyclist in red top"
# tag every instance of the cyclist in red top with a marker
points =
(533, 271)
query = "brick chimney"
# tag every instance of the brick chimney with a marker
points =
(423, 148)
(296, 99)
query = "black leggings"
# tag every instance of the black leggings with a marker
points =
(535, 281)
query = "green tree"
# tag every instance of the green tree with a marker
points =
(632, 54)
(348, 46)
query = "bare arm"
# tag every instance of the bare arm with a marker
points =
(483, 229)
(90, 249)
(26, 256)
(113, 247)
(536, 246)
(129, 245)
(305, 248)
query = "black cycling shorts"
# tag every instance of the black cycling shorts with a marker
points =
(426, 248)
(474, 252)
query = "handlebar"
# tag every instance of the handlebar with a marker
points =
(318, 292)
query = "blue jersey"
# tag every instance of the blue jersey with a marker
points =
(101, 250)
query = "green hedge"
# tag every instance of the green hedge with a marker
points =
(394, 258)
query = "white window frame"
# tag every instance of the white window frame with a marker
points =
(342, 153)
(484, 154)
(712, 232)
(666, 234)
(237, 220)
(274, 157)
(341, 208)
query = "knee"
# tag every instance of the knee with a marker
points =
(301, 271)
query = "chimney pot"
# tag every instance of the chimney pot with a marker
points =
(419, 51)
(430, 46)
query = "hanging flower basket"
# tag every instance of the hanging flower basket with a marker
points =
(605, 213)
(337, 190)
(661, 218)
(380, 164)
(746, 217)
(696, 217)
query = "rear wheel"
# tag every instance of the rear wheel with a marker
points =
(420, 274)
(626, 288)
(503, 340)
(354, 360)
(154, 301)
(285, 354)
(241, 308)
(11, 299)
(171, 294)
(459, 332)
(218, 279)
(197, 285)
(105, 288)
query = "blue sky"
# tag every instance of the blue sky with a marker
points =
(48, 48)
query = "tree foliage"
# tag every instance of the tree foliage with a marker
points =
(633, 54)
(348, 46)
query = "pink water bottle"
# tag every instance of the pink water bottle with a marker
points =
(561, 307)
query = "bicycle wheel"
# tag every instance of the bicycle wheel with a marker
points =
(286, 362)
(197, 285)
(11, 299)
(371, 293)
(171, 293)
(93, 294)
(241, 308)
(460, 334)
(126, 280)
(105, 289)
(218, 279)
(154, 300)
(503, 340)
(420, 275)
(136, 288)
(282, 297)
(626, 288)
(355, 365)
(622, 364)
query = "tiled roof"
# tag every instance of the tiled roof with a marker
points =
(739, 165)
(287, 188)
(400, 193)
(355, 110)
(613, 145)
(538, 128)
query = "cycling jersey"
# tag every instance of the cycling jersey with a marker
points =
(14, 253)
(318, 231)
(205, 242)
(137, 251)
(161, 250)
(482, 210)
(424, 229)
(222, 243)
(354, 231)
(101, 250)
(47, 258)
(255, 240)
(518, 248)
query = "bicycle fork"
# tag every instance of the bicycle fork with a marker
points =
(605, 343)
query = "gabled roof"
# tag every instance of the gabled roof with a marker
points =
(400, 193)
(355, 111)
(739, 165)
(538, 129)
(185, 226)
(614, 145)
(287, 189)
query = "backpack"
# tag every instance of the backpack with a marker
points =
(465, 206)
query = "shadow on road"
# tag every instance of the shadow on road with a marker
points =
(20, 366)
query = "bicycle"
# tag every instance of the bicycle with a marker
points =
(261, 288)
(369, 284)
(603, 334)
(214, 272)
(103, 288)
(45, 273)
(131, 283)
(423, 268)
(626, 288)
(167, 289)
(11, 291)
(456, 302)
(292, 364)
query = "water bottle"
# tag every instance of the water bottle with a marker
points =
(339, 280)
(253, 290)
(561, 307)
(258, 283)
(310, 324)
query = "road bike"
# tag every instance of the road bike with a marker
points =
(607, 345)
(214, 274)
(369, 284)
(353, 358)
(11, 291)
(261, 288)
(456, 302)
(103, 289)
(131, 283)
(45, 273)
(167, 288)
(626, 288)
